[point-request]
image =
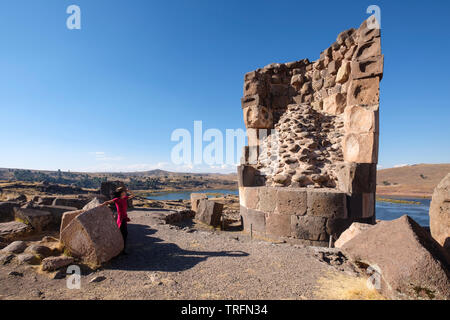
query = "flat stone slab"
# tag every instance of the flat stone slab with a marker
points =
(13, 230)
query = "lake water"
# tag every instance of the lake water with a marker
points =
(384, 210)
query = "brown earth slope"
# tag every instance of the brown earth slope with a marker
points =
(417, 180)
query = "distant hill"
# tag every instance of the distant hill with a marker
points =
(146, 180)
(417, 180)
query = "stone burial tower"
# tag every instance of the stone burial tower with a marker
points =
(309, 169)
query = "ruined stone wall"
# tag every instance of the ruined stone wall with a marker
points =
(313, 127)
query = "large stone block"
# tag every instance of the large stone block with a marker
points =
(361, 147)
(277, 90)
(326, 203)
(7, 211)
(249, 197)
(267, 199)
(309, 228)
(209, 212)
(356, 177)
(440, 213)
(368, 50)
(333, 67)
(278, 224)
(93, 236)
(252, 88)
(251, 101)
(40, 220)
(371, 67)
(411, 264)
(364, 92)
(253, 220)
(344, 72)
(355, 229)
(361, 206)
(195, 200)
(361, 119)
(334, 104)
(291, 201)
(247, 176)
(258, 117)
(68, 217)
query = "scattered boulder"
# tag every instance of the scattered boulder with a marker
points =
(38, 219)
(93, 236)
(412, 264)
(209, 212)
(55, 263)
(7, 211)
(39, 250)
(195, 200)
(355, 229)
(14, 230)
(440, 213)
(15, 247)
(28, 258)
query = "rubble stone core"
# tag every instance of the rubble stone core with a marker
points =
(309, 169)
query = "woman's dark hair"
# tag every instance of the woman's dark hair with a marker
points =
(119, 192)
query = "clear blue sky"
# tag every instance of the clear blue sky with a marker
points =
(108, 96)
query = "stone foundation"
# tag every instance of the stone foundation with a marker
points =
(309, 169)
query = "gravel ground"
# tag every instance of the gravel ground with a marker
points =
(192, 262)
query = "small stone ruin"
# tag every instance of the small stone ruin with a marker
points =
(309, 169)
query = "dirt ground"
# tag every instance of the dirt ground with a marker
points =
(195, 262)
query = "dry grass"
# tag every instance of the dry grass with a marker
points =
(414, 181)
(335, 286)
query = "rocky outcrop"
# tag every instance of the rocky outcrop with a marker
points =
(440, 213)
(411, 263)
(93, 236)
(315, 125)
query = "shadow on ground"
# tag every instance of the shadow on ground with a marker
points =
(147, 253)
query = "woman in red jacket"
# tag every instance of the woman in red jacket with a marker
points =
(121, 201)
